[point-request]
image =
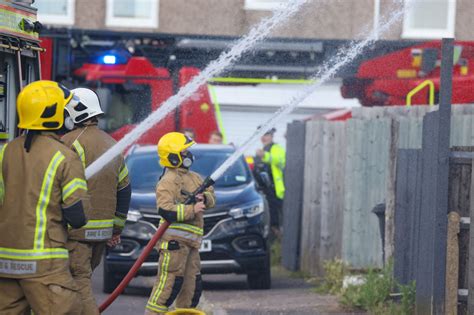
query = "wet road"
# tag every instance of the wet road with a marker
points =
(229, 294)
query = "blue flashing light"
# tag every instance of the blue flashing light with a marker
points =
(109, 59)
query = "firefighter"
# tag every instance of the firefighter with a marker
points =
(109, 190)
(273, 156)
(179, 275)
(42, 189)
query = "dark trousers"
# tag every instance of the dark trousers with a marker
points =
(276, 209)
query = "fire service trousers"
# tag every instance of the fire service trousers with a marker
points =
(80, 256)
(46, 295)
(179, 278)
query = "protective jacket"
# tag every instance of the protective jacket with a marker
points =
(41, 191)
(171, 192)
(275, 157)
(107, 189)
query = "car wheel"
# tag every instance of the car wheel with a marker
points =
(111, 280)
(262, 280)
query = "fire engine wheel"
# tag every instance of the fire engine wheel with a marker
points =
(111, 280)
(261, 280)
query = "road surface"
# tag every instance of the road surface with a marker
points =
(229, 294)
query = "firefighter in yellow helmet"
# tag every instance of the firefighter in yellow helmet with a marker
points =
(43, 189)
(179, 275)
(109, 190)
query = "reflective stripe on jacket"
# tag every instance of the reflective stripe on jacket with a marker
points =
(90, 142)
(276, 158)
(37, 186)
(170, 196)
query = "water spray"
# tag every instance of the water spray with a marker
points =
(343, 57)
(246, 43)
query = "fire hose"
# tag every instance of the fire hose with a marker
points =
(149, 247)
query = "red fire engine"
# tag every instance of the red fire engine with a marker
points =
(133, 73)
(413, 71)
(129, 85)
(19, 59)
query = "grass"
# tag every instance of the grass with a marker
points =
(335, 271)
(374, 295)
(275, 252)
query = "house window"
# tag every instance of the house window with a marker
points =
(429, 19)
(55, 11)
(268, 5)
(132, 13)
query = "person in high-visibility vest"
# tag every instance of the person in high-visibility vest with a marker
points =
(179, 275)
(273, 156)
(42, 189)
(110, 192)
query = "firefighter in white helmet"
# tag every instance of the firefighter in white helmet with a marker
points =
(42, 189)
(179, 275)
(110, 194)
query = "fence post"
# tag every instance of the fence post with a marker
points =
(391, 192)
(431, 275)
(293, 202)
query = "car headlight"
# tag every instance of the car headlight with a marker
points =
(134, 215)
(248, 211)
(141, 230)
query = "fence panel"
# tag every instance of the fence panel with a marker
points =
(365, 186)
(408, 202)
(323, 194)
(293, 203)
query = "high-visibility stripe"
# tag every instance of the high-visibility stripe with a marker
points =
(184, 234)
(157, 308)
(261, 81)
(163, 278)
(164, 245)
(123, 173)
(120, 222)
(180, 212)
(80, 152)
(187, 228)
(217, 111)
(72, 186)
(98, 224)
(33, 254)
(43, 201)
(2, 183)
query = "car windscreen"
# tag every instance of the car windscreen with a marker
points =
(145, 169)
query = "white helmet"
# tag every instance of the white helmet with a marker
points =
(86, 107)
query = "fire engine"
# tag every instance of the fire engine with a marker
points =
(411, 76)
(19, 59)
(132, 75)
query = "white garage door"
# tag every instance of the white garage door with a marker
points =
(240, 124)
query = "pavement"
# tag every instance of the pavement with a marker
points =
(230, 295)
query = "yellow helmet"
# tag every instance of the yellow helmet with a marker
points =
(170, 147)
(41, 105)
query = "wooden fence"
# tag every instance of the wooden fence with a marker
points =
(350, 167)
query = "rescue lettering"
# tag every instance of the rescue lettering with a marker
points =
(17, 267)
(102, 234)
